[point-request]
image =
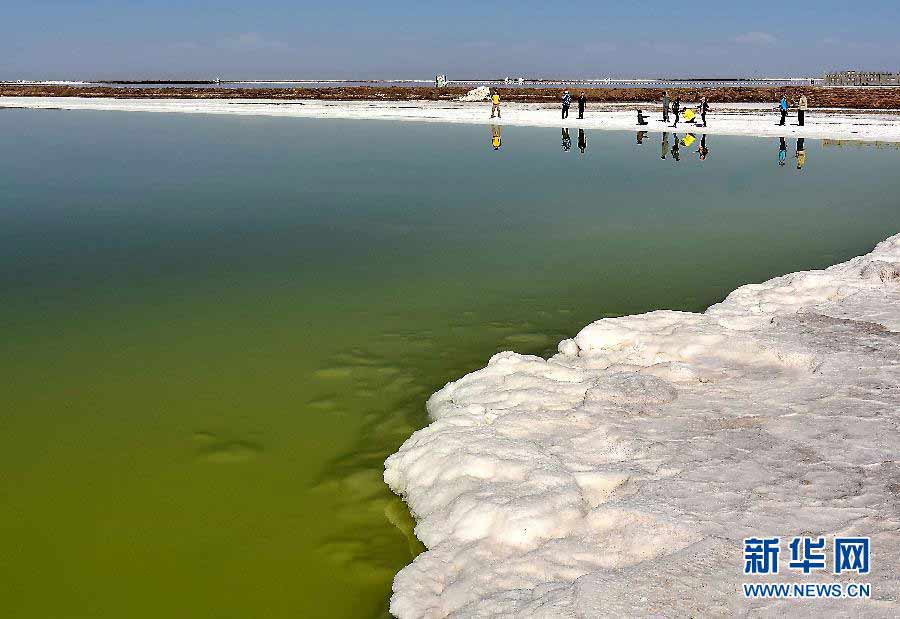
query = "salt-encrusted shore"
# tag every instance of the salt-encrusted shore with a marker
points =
(619, 477)
(728, 119)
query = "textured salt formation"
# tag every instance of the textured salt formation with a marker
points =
(619, 477)
(481, 93)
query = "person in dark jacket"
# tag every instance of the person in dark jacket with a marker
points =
(641, 119)
(676, 151)
(665, 102)
(676, 110)
(566, 100)
(582, 100)
(582, 141)
(704, 108)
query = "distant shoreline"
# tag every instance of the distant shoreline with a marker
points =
(660, 82)
(754, 119)
(865, 98)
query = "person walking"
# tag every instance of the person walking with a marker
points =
(704, 108)
(566, 100)
(582, 100)
(665, 102)
(676, 110)
(783, 107)
(801, 110)
(495, 104)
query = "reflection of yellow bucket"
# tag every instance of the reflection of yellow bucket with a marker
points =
(689, 115)
(688, 139)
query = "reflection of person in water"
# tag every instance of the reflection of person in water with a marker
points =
(582, 142)
(640, 136)
(665, 145)
(566, 140)
(495, 137)
(801, 154)
(782, 152)
(703, 152)
(676, 153)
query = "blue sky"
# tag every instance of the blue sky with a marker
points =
(88, 39)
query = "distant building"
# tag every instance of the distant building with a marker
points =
(862, 78)
(440, 80)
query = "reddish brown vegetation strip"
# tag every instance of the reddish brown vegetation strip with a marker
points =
(859, 98)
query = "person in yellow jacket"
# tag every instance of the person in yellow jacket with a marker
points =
(802, 106)
(495, 104)
(495, 137)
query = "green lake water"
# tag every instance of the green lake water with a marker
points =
(215, 329)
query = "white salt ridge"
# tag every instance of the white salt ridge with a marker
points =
(619, 477)
(730, 119)
(481, 93)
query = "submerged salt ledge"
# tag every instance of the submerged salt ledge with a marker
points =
(618, 477)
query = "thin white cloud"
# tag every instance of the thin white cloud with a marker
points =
(761, 39)
(253, 41)
(600, 47)
(185, 46)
